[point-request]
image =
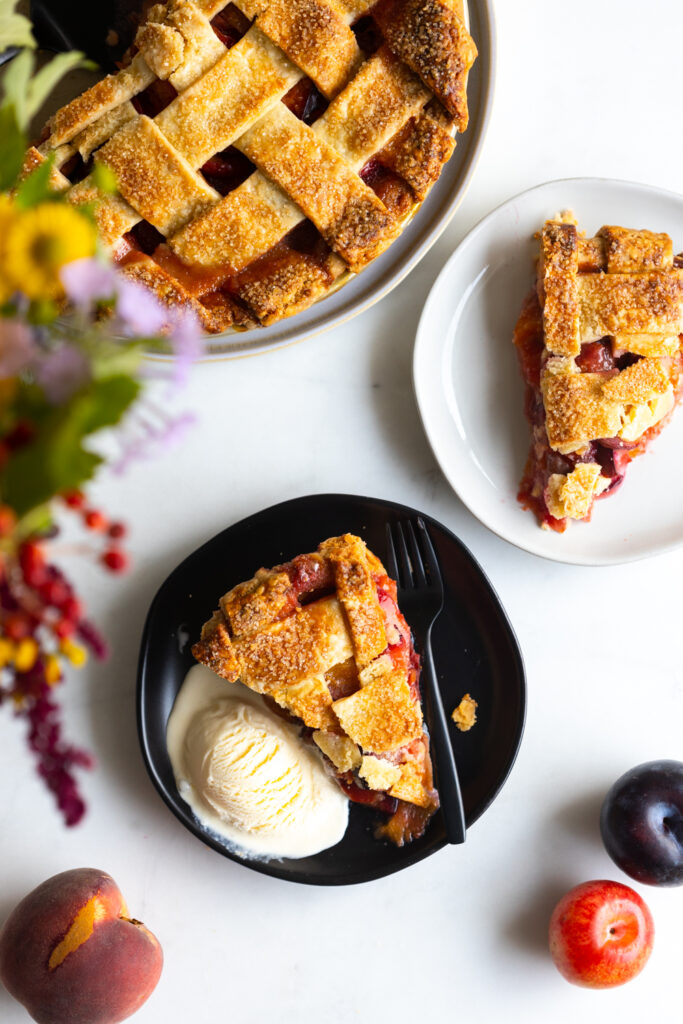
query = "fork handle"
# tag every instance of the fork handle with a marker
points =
(447, 781)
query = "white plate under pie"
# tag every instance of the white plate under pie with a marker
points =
(470, 393)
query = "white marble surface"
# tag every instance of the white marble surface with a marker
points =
(583, 89)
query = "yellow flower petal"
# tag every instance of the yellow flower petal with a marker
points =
(53, 670)
(39, 241)
(7, 215)
(76, 654)
(25, 655)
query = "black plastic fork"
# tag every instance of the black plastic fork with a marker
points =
(412, 562)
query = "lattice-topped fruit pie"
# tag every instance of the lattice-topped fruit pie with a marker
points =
(601, 351)
(322, 637)
(266, 149)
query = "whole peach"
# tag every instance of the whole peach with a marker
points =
(601, 934)
(70, 953)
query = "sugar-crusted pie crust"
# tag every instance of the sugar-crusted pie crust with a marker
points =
(355, 174)
(330, 662)
(603, 364)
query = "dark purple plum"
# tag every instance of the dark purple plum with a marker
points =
(641, 823)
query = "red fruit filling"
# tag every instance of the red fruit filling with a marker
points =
(612, 453)
(155, 98)
(230, 25)
(312, 578)
(227, 170)
(305, 101)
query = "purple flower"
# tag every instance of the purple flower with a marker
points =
(56, 759)
(138, 310)
(61, 373)
(17, 348)
(186, 339)
(152, 434)
(174, 430)
(88, 281)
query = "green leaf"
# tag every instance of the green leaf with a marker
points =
(28, 91)
(52, 463)
(42, 311)
(104, 178)
(16, 86)
(56, 459)
(15, 29)
(44, 81)
(36, 521)
(111, 396)
(114, 359)
(35, 188)
(13, 146)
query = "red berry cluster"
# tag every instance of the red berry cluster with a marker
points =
(113, 558)
(42, 627)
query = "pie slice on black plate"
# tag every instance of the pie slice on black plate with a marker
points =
(322, 638)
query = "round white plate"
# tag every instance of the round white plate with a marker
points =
(384, 273)
(470, 393)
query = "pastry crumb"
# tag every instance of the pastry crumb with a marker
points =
(465, 715)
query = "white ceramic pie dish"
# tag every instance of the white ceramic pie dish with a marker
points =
(470, 393)
(417, 238)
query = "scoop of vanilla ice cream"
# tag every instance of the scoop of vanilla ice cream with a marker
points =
(246, 766)
(247, 775)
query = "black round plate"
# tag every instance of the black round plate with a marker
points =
(475, 651)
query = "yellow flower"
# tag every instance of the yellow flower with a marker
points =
(76, 654)
(26, 654)
(7, 216)
(39, 242)
(53, 671)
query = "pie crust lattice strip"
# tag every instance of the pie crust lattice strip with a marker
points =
(322, 638)
(267, 149)
(600, 346)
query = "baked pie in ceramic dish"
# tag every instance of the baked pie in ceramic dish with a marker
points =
(601, 352)
(265, 150)
(323, 640)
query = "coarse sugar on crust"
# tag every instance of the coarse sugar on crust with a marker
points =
(632, 252)
(600, 345)
(559, 278)
(348, 214)
(290, 283)
(99, 100)
(316, 37)
(155, 178)
(249, 79)
(314, 636)
(635, 303)
(431, 37)
(381, 716)
(168, 290)
(373, 107)
(345, 109)
(418, 152)
(581, 407)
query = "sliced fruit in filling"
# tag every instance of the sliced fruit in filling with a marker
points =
(323, 638)
(600, 349)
